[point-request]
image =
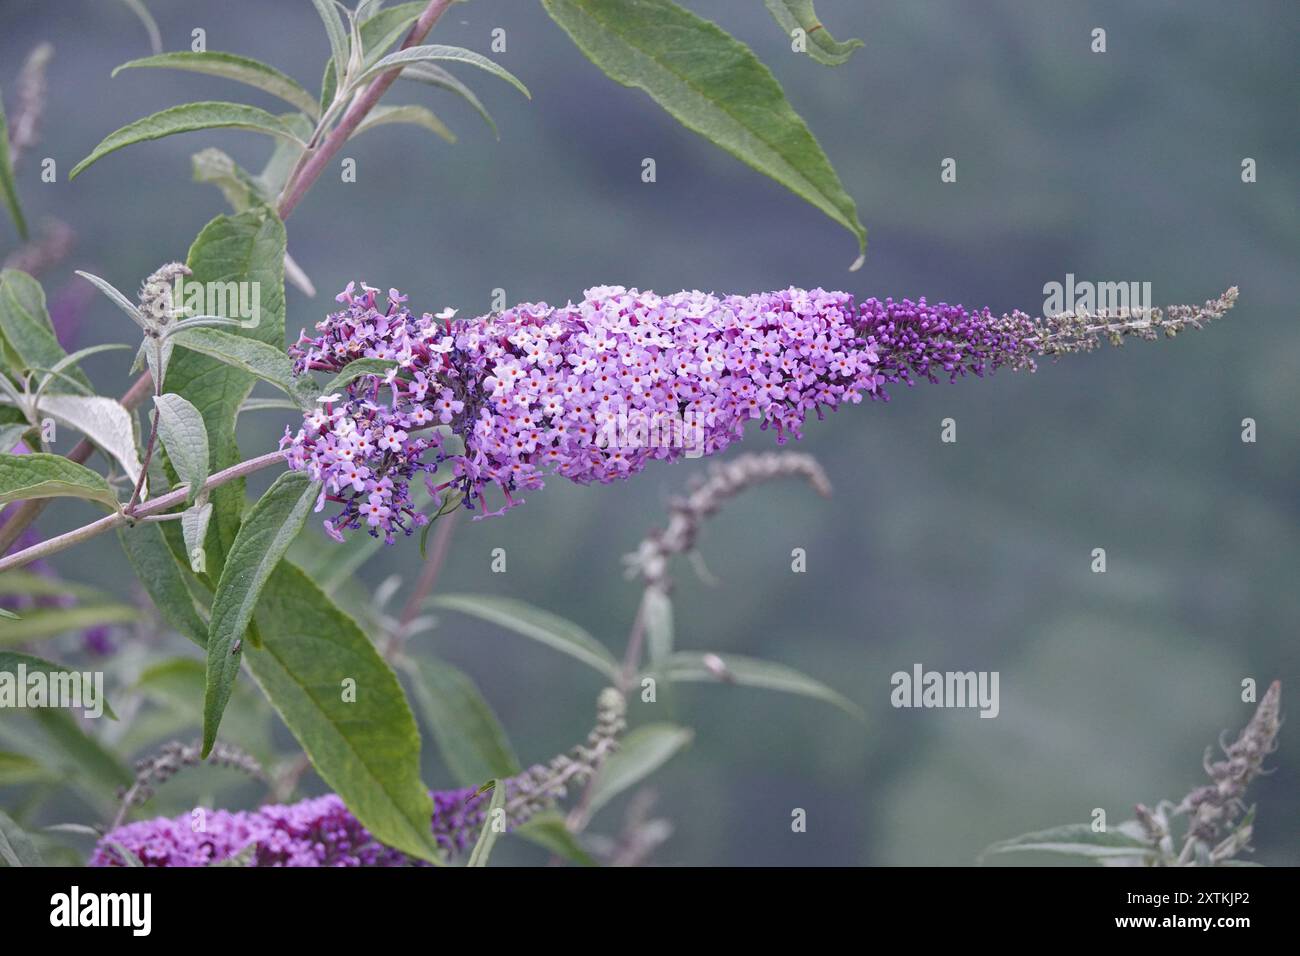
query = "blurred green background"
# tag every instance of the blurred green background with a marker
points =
(975, 555)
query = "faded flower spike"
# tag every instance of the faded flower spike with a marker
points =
(594, 390)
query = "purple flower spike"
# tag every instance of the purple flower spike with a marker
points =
(594, 391)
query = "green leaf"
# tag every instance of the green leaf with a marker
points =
(31, 584)
(367, 750)
(555, 632)
(248, 355)
(377, 34)
(640, 753)
(8, 189)
(162, 577)
(413, 115)
(215, 167)
(386, 27)
(712, 84)
(284, 156)
(177, 685)
(39, 475)
(338, 37)
(437, 51)
(103, 420)
(12, 434)
(83, 756)
(434, 75)
(40, 623)
(1076, 839)
(188, 118)
(473, 744)
(821, 46)
(658, 612)
(248, 247)
(751, 672)
(487, 837)
(194, 527)
(263, 538)
(25, 324)
(180, 426)
(17, 769)
(8, 615)
(113, 295)
(9, 661)
(549, 831)
(356, 368)
(16, 847)
(56, 371)
(241, 69)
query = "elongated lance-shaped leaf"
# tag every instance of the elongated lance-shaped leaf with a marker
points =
(8, 187)
(549, 831)
(344, 705)
(818, 43)
(57, 370)
(640, 753)
(1080, 839)
(494, 824)
(386, 27)
(434, 75)
(45, 622)
(246, 249)
(194, 529)
(156, 567)
(470, 739)
(241, 69)
(266, 362)
(25, 325)
(118, 299)
(103, 420)
(377, 33)
(265, 534)
(185, 439)
(437, 51)
(750, 672)
(9, 661)
(188, 119)
(40, 475)
(712, 84)
(411, 115)
(16, 847)
(437, 77)
(542, 626)
(338, 36)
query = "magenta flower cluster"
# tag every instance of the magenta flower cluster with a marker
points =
(593, 391)
(315, 832)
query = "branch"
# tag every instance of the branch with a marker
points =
(119, 518)
(317, 158)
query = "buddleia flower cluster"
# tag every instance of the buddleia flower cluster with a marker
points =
(321, 831)
(593, 391)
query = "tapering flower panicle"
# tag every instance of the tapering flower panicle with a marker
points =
(595, 390)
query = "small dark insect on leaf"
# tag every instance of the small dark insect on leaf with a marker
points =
(234, 648)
